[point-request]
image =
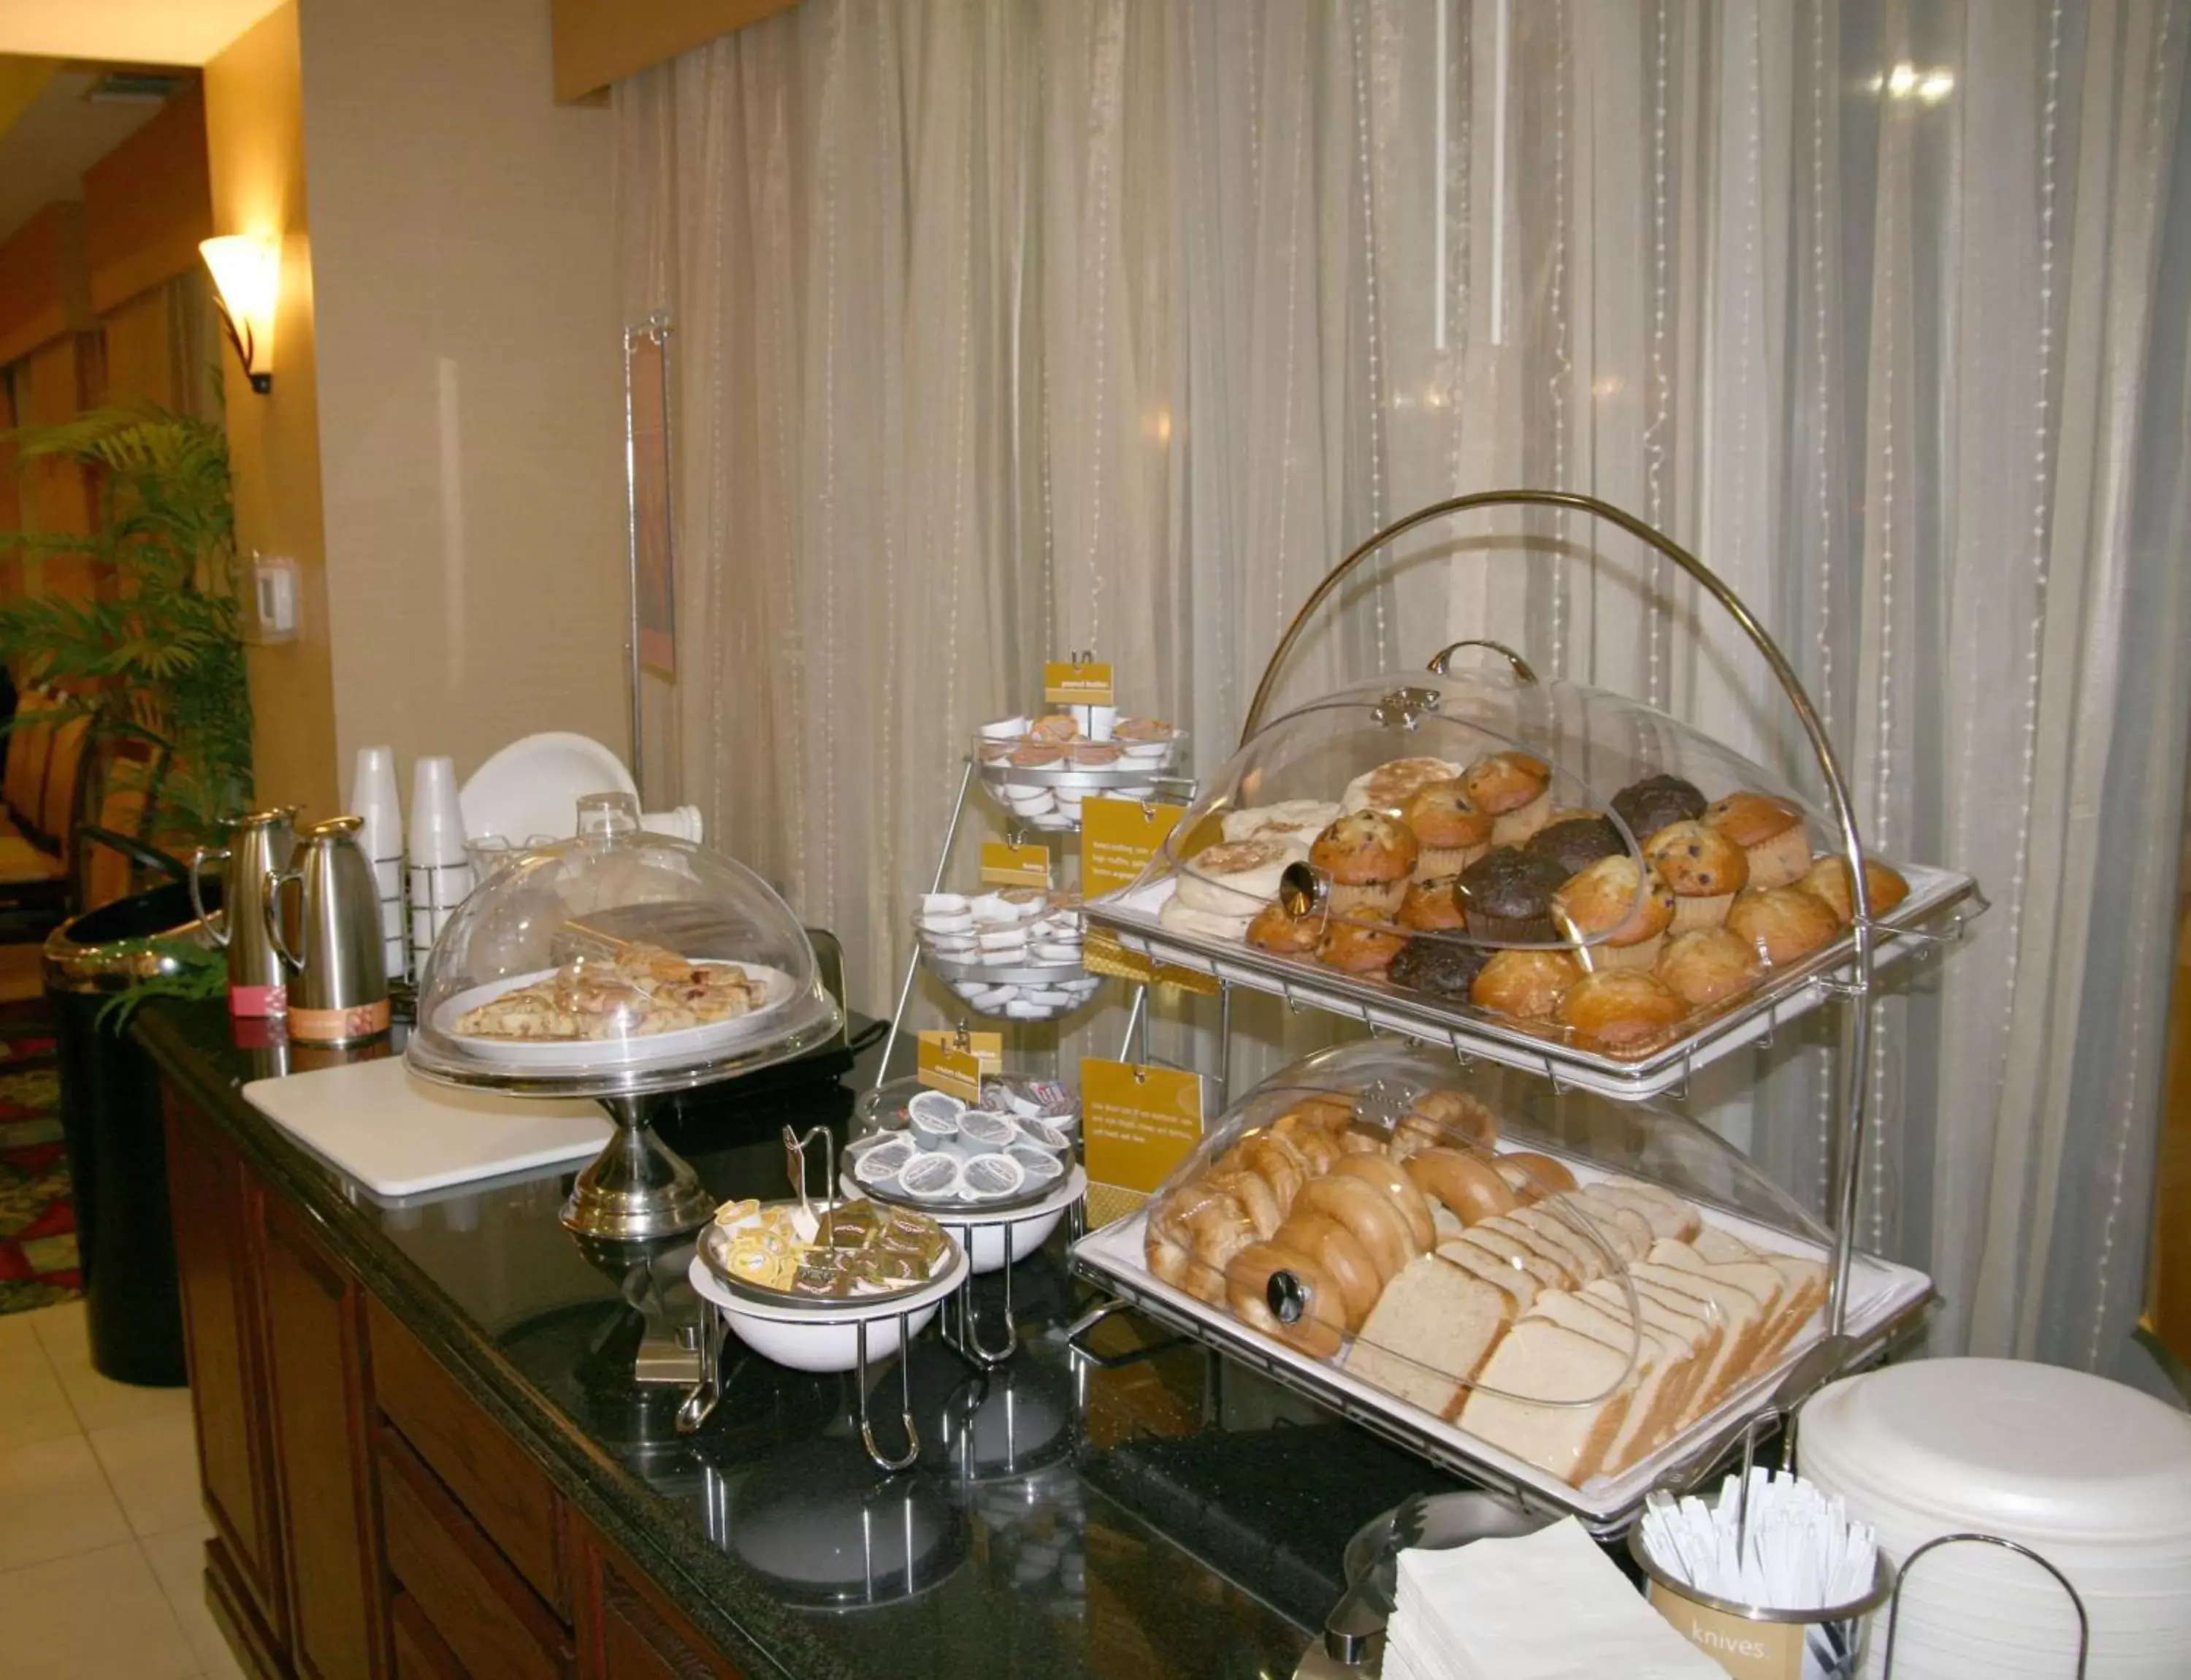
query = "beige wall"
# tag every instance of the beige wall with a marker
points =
(254, 137)
(470, 379)
(441, 451)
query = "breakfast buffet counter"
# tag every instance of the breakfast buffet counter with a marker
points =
(423, 1450)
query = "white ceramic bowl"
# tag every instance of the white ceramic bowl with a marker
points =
(827, 1338)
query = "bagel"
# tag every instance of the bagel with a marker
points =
(1277, 1161)
(1218, 1229)
(1171, 1262)
(1381, 1173)
(1345, 1261)
(1310, 1140)
(1266, 1213)
(1533, 1176)
(1373, 1217)
(1468, 1185)
(1323, 1322)
(1457, 1113)
(1359, 1140)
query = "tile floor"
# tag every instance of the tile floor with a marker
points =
(101, 1533)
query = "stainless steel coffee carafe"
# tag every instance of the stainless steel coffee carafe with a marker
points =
(333, 943)
(258, 842)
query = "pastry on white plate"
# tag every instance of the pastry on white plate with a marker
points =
(1237, 878)
(1300, 819)
(1186, 918)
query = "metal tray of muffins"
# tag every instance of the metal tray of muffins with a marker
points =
(1940, 903)
(1885, 1298)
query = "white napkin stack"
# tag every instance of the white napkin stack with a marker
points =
(1548, 1606)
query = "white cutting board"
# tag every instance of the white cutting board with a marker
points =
(398, 1135)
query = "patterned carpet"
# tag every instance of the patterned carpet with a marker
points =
(37, 1219)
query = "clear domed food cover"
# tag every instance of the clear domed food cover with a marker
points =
(1572, 1291)
(618, 963)
(1549, 863)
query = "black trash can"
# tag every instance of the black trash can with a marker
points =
(117, 1148)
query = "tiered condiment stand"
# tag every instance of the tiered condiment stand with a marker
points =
(1938, 906)
(1000, 1233)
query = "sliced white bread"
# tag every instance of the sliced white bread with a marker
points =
(1503, 1274)
(1658, 1363)
(1537, 1362)
(1717, 1245)
(1429, 1332)
(1694, 1331)
(1568, 1235)
(1625, 1229)
(1808, 1283)
(1740, 1316)
(1560, 1255)
(1766, 1282)
(1669, 1216)
(1512, 1244)
(1447, 1222)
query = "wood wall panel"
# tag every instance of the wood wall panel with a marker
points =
(598, 42)
(45, 287)
(147, 203)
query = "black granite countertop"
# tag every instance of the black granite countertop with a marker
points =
(1148, 1513)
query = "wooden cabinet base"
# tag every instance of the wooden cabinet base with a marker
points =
(238, 1619)
(372, 1520)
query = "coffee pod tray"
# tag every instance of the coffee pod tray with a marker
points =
(919, 1148)
(1703, 1359)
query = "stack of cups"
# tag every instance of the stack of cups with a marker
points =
(440, 869)
(373, 797)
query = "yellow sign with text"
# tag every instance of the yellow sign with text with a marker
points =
(1008, 865)
(1076, 682)
(1139, 1122)
(1117, 838)
(956, 1064)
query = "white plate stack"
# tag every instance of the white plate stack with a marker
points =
(2093, 1476)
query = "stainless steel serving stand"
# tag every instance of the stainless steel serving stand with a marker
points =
(1090, 779)
(638, 1188)
(1854, 980)
(700, 1403)
(1908, 1563)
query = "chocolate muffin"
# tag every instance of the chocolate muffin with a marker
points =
(1442, 965)
(1508, 895)
(1575, 843)
(1650, 805)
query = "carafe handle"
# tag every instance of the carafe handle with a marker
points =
(200, 856)
(271, 896)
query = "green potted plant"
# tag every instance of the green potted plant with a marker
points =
(157, 651)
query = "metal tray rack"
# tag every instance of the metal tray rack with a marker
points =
(1941, 903)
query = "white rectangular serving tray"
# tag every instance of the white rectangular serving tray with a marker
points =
(1883, 1296)
(397, 1136)
(1785, 994)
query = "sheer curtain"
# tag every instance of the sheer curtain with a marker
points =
(1007, 328)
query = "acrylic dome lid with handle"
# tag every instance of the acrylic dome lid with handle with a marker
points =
(1243, 1224)
(618, 962)
(1384, 1085)
(1591, 743)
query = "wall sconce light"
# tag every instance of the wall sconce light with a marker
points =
(246, 279)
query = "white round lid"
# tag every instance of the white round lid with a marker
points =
(2010, 1447)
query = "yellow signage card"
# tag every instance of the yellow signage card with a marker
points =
(1118, 838)
(1006, 865)
(1139, 1122)
(958, 1063)
(1076, 682)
